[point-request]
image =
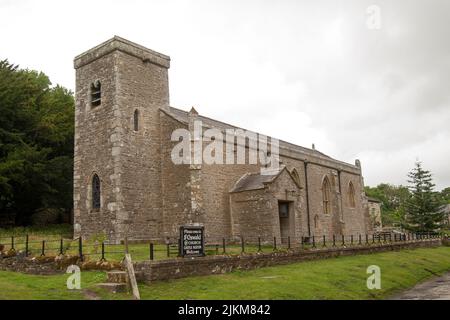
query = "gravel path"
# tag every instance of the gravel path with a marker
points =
(435, 289)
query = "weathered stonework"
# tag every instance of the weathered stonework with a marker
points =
(144, 195)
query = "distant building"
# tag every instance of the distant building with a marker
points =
(375, 213)
(446, 210)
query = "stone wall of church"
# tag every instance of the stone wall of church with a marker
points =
(142, 86)
(176, 188)
(93, 129)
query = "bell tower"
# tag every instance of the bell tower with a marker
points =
(120, 89)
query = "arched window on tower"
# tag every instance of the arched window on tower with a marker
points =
(96, 94)
(136, 120)
(351, 195)
(326, 192)
(96, 192)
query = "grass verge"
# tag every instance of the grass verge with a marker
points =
(339, 278)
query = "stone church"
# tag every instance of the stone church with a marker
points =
(126, 184)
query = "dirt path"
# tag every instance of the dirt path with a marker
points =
(435, 289)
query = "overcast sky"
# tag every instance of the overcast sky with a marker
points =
(303, 71)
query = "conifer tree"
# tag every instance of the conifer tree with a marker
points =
(423, 207)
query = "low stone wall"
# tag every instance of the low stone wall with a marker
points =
(48, 265)
(150, 271)
(38, 266)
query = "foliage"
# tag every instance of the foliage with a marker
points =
(36, 143)
(423, 208)
(445, 195)
(393, 200)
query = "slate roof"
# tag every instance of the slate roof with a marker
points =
(256, 181)
(370, 199)
(183, 116)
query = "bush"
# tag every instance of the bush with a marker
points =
(46, 216)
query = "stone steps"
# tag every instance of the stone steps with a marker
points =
(117, 281)
(117, 277)
(114, 287)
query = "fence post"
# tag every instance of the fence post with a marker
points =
(61, 244)
(314, 241)
(334, 240)
(125, 242)
(43, 248)
(373, 238)
(151, 252)
(223, 245)
(274, 243)
(343, 240)
(259, 244)
(360, 238)
(80, 248)
(289, 243)
(351, 240)
(103, 251)
(12, 243)
(324, 241)
(367, 239)
(242, 245)
(26, 246)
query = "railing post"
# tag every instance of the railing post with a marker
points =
(373, 238)
(26, 246)
(259, 244)
(223, 245)
(151, 252)
(334, 240)
(242, 245)
(43, 248)
(274, 243)
(314, 241)
(351, 240)
(80, 248)
(103, 251)
(61, 245)
(324, 241)
(12, 243)
(359, 238)
(343, 240)
(289, 243)
(367, 239)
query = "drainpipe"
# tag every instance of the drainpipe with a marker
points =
(307, 197)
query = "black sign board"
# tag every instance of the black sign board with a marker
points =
(192, 241)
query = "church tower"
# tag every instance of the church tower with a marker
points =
(120, 88)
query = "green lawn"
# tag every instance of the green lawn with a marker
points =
(340, 278)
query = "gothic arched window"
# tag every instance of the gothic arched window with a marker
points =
(351, 195)
(96, 94)
(326, 192)
(136, 120)
(295, 176)
(95, 192)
